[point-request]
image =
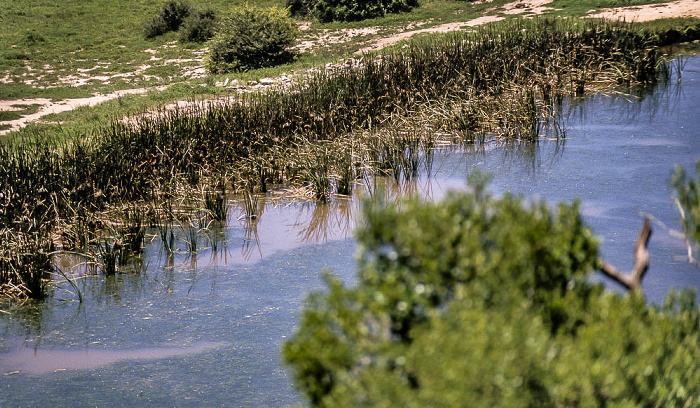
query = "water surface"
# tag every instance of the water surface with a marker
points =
(206, 330)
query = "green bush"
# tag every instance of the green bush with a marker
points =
(199, 26)
(356, 10)
(169, 18)
(252, 38)
(482, 302)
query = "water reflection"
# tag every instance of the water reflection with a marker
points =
(336, 215)
(640, 105)
(41, 361)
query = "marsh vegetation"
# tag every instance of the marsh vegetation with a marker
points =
(383, 117)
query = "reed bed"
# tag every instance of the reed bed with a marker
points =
(330, 130)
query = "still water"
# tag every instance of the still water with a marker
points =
(206, 330)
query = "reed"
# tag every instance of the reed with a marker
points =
(502, 79)
(251, 205)
(166, 232)
(216, 202)
(107, 256)
(346, 173)
(25, 263)
(132, 232)
(191, 238)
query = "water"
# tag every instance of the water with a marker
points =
(207, 330)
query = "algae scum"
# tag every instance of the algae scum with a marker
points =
(206, 329)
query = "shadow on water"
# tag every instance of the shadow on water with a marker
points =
(202, 324)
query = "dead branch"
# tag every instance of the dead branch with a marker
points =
(688, 245)
(633, 280)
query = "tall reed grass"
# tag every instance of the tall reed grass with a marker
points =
(502, 78)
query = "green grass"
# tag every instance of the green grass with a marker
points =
(47, 42)
(55, 39)
(18, 112)
(6, 116)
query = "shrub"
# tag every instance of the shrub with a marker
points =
(252, 38)
(199, 26)
(482, 301)
(170, 17)
(300, 8)
(155, 26)
(355, 10)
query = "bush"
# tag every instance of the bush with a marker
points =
(155, 26)
(199, 26)
(300, 8)
(170, 17)
(252, 38)
(355, 10)
(484, 302)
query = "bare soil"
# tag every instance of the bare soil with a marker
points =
(678, 8)
(49, 107)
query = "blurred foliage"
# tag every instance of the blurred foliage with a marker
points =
(688, 192)
(252, 37)
(482, 301)
(348, 10)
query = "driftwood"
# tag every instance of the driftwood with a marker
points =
(633, 280)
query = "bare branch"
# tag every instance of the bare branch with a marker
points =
(633, 281)
(688, 245)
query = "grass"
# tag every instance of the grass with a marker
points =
(6, 116)
(50, 42)
(107, 39)
(81, 178)
(20, 110)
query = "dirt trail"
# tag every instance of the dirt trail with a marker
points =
(516, 7)
(443, 28)
(48, 107)
(678, 8)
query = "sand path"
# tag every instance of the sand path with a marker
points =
(678, 8)
(517, 7)
(49, 107)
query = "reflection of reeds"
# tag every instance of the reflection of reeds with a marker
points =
(332, 216)
(252, 206)
(191, 238)
(251, 241)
